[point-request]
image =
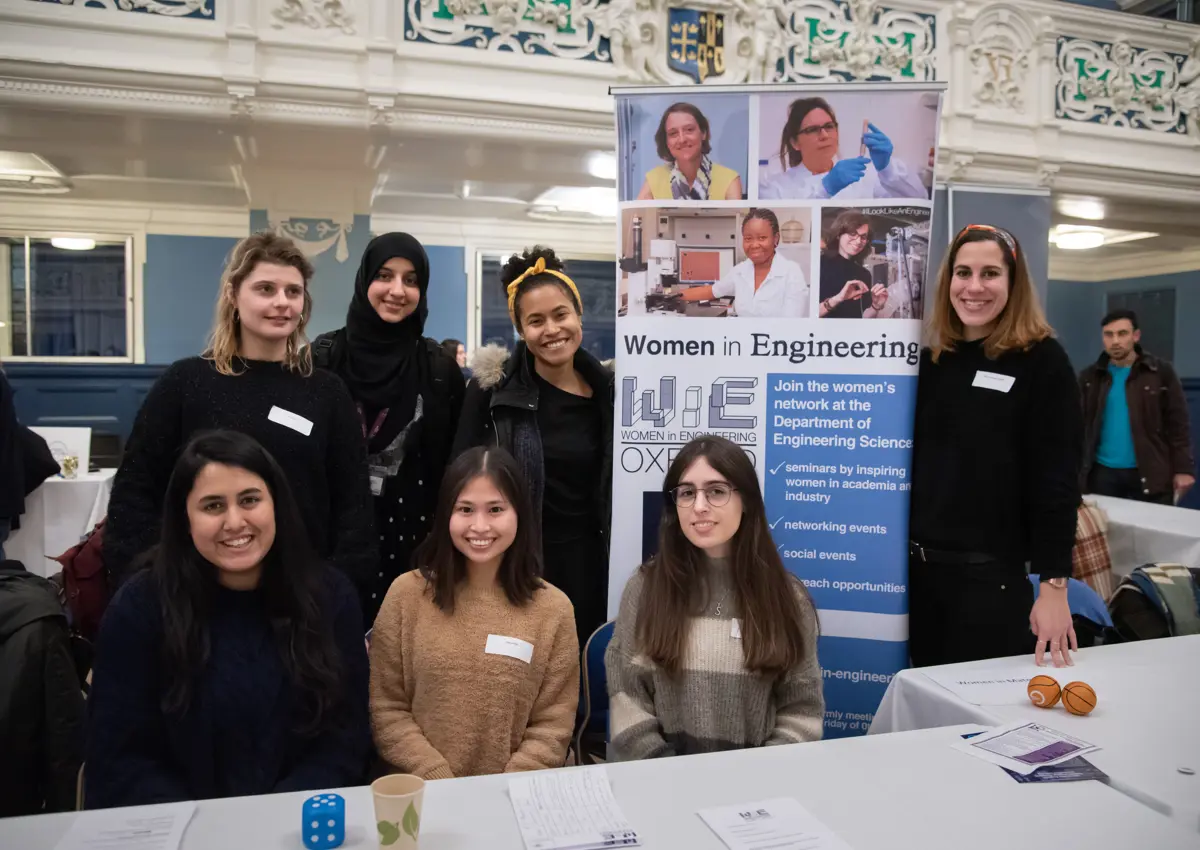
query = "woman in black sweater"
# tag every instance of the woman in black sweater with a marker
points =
(550, 404)
(996, 457)
(846, 290)
(255, 377)
(235, 664)
(408, 393)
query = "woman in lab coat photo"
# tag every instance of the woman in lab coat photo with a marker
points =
(766, 284)
(684, 142)
(814, 167)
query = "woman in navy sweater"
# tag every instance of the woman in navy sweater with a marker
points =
(235, 663)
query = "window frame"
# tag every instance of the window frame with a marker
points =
(476, 253)
(133, 343)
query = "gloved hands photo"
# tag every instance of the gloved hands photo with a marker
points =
(845, 172)
(879, 146)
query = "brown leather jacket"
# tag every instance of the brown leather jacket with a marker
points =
(1158, 418)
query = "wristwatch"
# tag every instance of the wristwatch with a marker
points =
(1059, 582)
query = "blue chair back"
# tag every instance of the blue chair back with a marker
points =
(594, 686)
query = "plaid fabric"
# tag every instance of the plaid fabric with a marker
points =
(1091, 561)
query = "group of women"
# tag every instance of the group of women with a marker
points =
(232, 660)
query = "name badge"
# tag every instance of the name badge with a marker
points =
(290, 420)
(521, 650)
(993, 381)
(736, 631)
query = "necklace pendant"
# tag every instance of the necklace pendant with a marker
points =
(719, 608)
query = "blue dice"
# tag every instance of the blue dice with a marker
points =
(324, 821)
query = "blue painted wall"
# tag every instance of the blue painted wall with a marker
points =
(1075, 311)
(179, 290)
(447, 293)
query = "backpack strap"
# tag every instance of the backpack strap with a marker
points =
(323, 349)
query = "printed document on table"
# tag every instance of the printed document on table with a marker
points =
(569, 810)
(133, 828)
(1024, 747)
(779, 824)
(1005, 681)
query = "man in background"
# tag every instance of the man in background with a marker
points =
(1138, 443)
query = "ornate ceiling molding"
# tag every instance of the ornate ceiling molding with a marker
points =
(314, 14)
(167, 8)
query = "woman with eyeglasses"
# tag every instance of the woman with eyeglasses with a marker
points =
(813, 169)
(765, 284)
(996, 454)
(846, 289)
(715, 646)
(683, 142)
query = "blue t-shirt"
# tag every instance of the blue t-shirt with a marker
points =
(1116, 436)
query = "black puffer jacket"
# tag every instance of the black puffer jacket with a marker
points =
(42, 712)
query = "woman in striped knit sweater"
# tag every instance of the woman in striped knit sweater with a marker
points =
(715, 645)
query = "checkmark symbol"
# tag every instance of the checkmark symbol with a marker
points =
(776, 522)
(776, 469)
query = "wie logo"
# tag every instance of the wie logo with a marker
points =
(659, 408)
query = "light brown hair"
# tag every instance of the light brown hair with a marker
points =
(1022, 322)
(674, 588)
(224, 340)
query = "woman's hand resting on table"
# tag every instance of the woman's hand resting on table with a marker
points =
(1050, 620)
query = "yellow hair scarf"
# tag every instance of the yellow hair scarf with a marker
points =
(539, 268)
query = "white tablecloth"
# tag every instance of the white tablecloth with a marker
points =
(57, 516)
(1147, 717)
(891, 792)
(1144, 533)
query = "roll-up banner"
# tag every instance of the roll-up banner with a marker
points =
(773, 243)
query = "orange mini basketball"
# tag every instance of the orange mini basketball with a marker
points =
(1079, 698)
(1044, 691)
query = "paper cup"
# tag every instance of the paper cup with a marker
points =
(398, 810)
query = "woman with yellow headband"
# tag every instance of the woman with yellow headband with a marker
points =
(550, 404)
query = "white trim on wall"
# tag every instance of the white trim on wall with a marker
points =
(1086, 269)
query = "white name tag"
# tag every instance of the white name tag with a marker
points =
(736, 631)
(290, 420)
(521, 650)
(993, 381)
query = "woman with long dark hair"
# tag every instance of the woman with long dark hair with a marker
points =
(550, 405)
(255, 376)
(408, 394)
(235, 663)
(715, 645)
(474, 661)
(996, 456)
(846, 288)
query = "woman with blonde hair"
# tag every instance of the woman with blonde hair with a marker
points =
(256, 376)
(996, 455)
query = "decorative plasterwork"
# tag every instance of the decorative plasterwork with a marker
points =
(316, 14)
(315, 236)
(719, 41)
(1120, 85)
(170, 8)
(1002, 45)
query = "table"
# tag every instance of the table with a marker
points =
(57, 516)
(1148, 696)
(890, 792)
(1143, 533)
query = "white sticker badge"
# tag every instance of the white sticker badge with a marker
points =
(993, 381)
(290, 420)
(522, 650)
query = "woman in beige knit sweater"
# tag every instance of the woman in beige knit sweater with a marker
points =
(474, 658)
(715, 646)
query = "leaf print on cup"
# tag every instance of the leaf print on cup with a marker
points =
(412, 822)
(389, 833)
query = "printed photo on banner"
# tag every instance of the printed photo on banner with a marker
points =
(716, 262)
(683, 147)
(852, 146)
(873, 262)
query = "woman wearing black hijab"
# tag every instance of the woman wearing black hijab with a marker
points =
(408, 394)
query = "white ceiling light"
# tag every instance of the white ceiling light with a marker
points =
(72, 243)
(602, 165)
(595, 201)
(1079, 240)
